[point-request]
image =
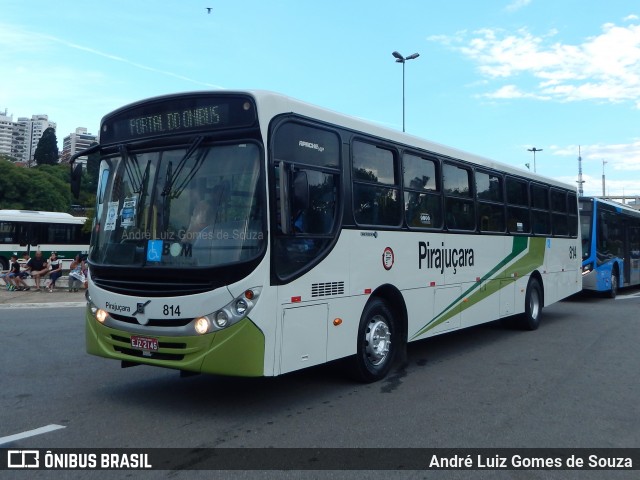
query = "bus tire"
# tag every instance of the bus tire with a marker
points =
(530, 319)
(377, 342)
(613, 290)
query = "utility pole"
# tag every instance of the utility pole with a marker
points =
(534, 150)
(580, 180)
(401, 59)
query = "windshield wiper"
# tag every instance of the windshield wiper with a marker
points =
(166, 190)
(172, 178)
(132, 168)
(142, 190)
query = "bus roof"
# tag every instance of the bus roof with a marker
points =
(287, 104)
(271, 104)
(620, 207)
(39, 217)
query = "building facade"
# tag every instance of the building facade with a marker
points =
(76, 142)
(26, 135)
(6, 133)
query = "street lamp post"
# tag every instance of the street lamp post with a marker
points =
(604, 162)
(534, 150)
(400, 59)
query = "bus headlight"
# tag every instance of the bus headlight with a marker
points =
(101, 315)
(221, 319)
(202, 325)
(233, 312)
(241, 306)
(587, 268)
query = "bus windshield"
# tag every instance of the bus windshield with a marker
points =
(196, 206)
(585, 229)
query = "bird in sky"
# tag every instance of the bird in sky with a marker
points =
(209, 9)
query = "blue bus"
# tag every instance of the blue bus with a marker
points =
(610, 245)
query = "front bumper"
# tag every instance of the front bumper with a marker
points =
(237, 350)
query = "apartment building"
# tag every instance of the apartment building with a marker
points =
(6, 132)
(76, 142)
(26, 135)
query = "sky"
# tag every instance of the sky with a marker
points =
(494, 77)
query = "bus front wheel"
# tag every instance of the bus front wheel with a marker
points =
(530, 319)
(613, 291)
(377, 342)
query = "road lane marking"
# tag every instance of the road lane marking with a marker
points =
(30, 433)
(42, 305)
(627, 297)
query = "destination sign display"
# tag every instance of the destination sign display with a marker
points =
(177, 115)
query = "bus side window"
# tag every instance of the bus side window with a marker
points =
(376, 195)
(559, 219)
(518, 218)
(422, 192)
(489, 192)
(7, 232)
(458, 202)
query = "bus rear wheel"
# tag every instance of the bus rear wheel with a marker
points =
(377, 342)
(530, 319)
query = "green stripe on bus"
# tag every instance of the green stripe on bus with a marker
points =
(504, 269)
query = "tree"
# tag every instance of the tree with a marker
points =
(14, 183)
(43, 188)
(47, 149)
(9, 158)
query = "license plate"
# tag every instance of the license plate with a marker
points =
(144, 343)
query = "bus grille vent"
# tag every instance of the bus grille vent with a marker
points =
(327, 288)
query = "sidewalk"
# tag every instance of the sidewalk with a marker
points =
(59, 295)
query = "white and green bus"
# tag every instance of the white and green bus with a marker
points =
(250, 234)
(29, 231)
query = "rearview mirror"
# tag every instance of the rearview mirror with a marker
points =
(76, 179)
(300, 191)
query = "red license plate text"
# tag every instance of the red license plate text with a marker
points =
(144, 343)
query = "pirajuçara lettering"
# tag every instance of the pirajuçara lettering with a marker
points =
(114, 307)
(441, 258)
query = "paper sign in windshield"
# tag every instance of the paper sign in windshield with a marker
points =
(128, 214)
(112, 216)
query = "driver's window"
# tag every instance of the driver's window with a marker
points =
(305, 179)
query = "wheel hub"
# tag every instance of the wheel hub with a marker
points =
(377, 340)
(534, 305)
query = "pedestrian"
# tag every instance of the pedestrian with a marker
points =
(14, 275)
(24, 273)
(4, 276)
(55, 270)
(38, 267)
(76, 274)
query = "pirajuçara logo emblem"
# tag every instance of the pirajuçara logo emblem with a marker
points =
(442, 258)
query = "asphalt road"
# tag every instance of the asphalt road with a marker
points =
(572, 383)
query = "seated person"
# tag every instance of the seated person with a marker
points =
(200, 220)
(37, 267)
(4, 276)
(55, 266)
(76, 274)
(14, 275)
(24, 273)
